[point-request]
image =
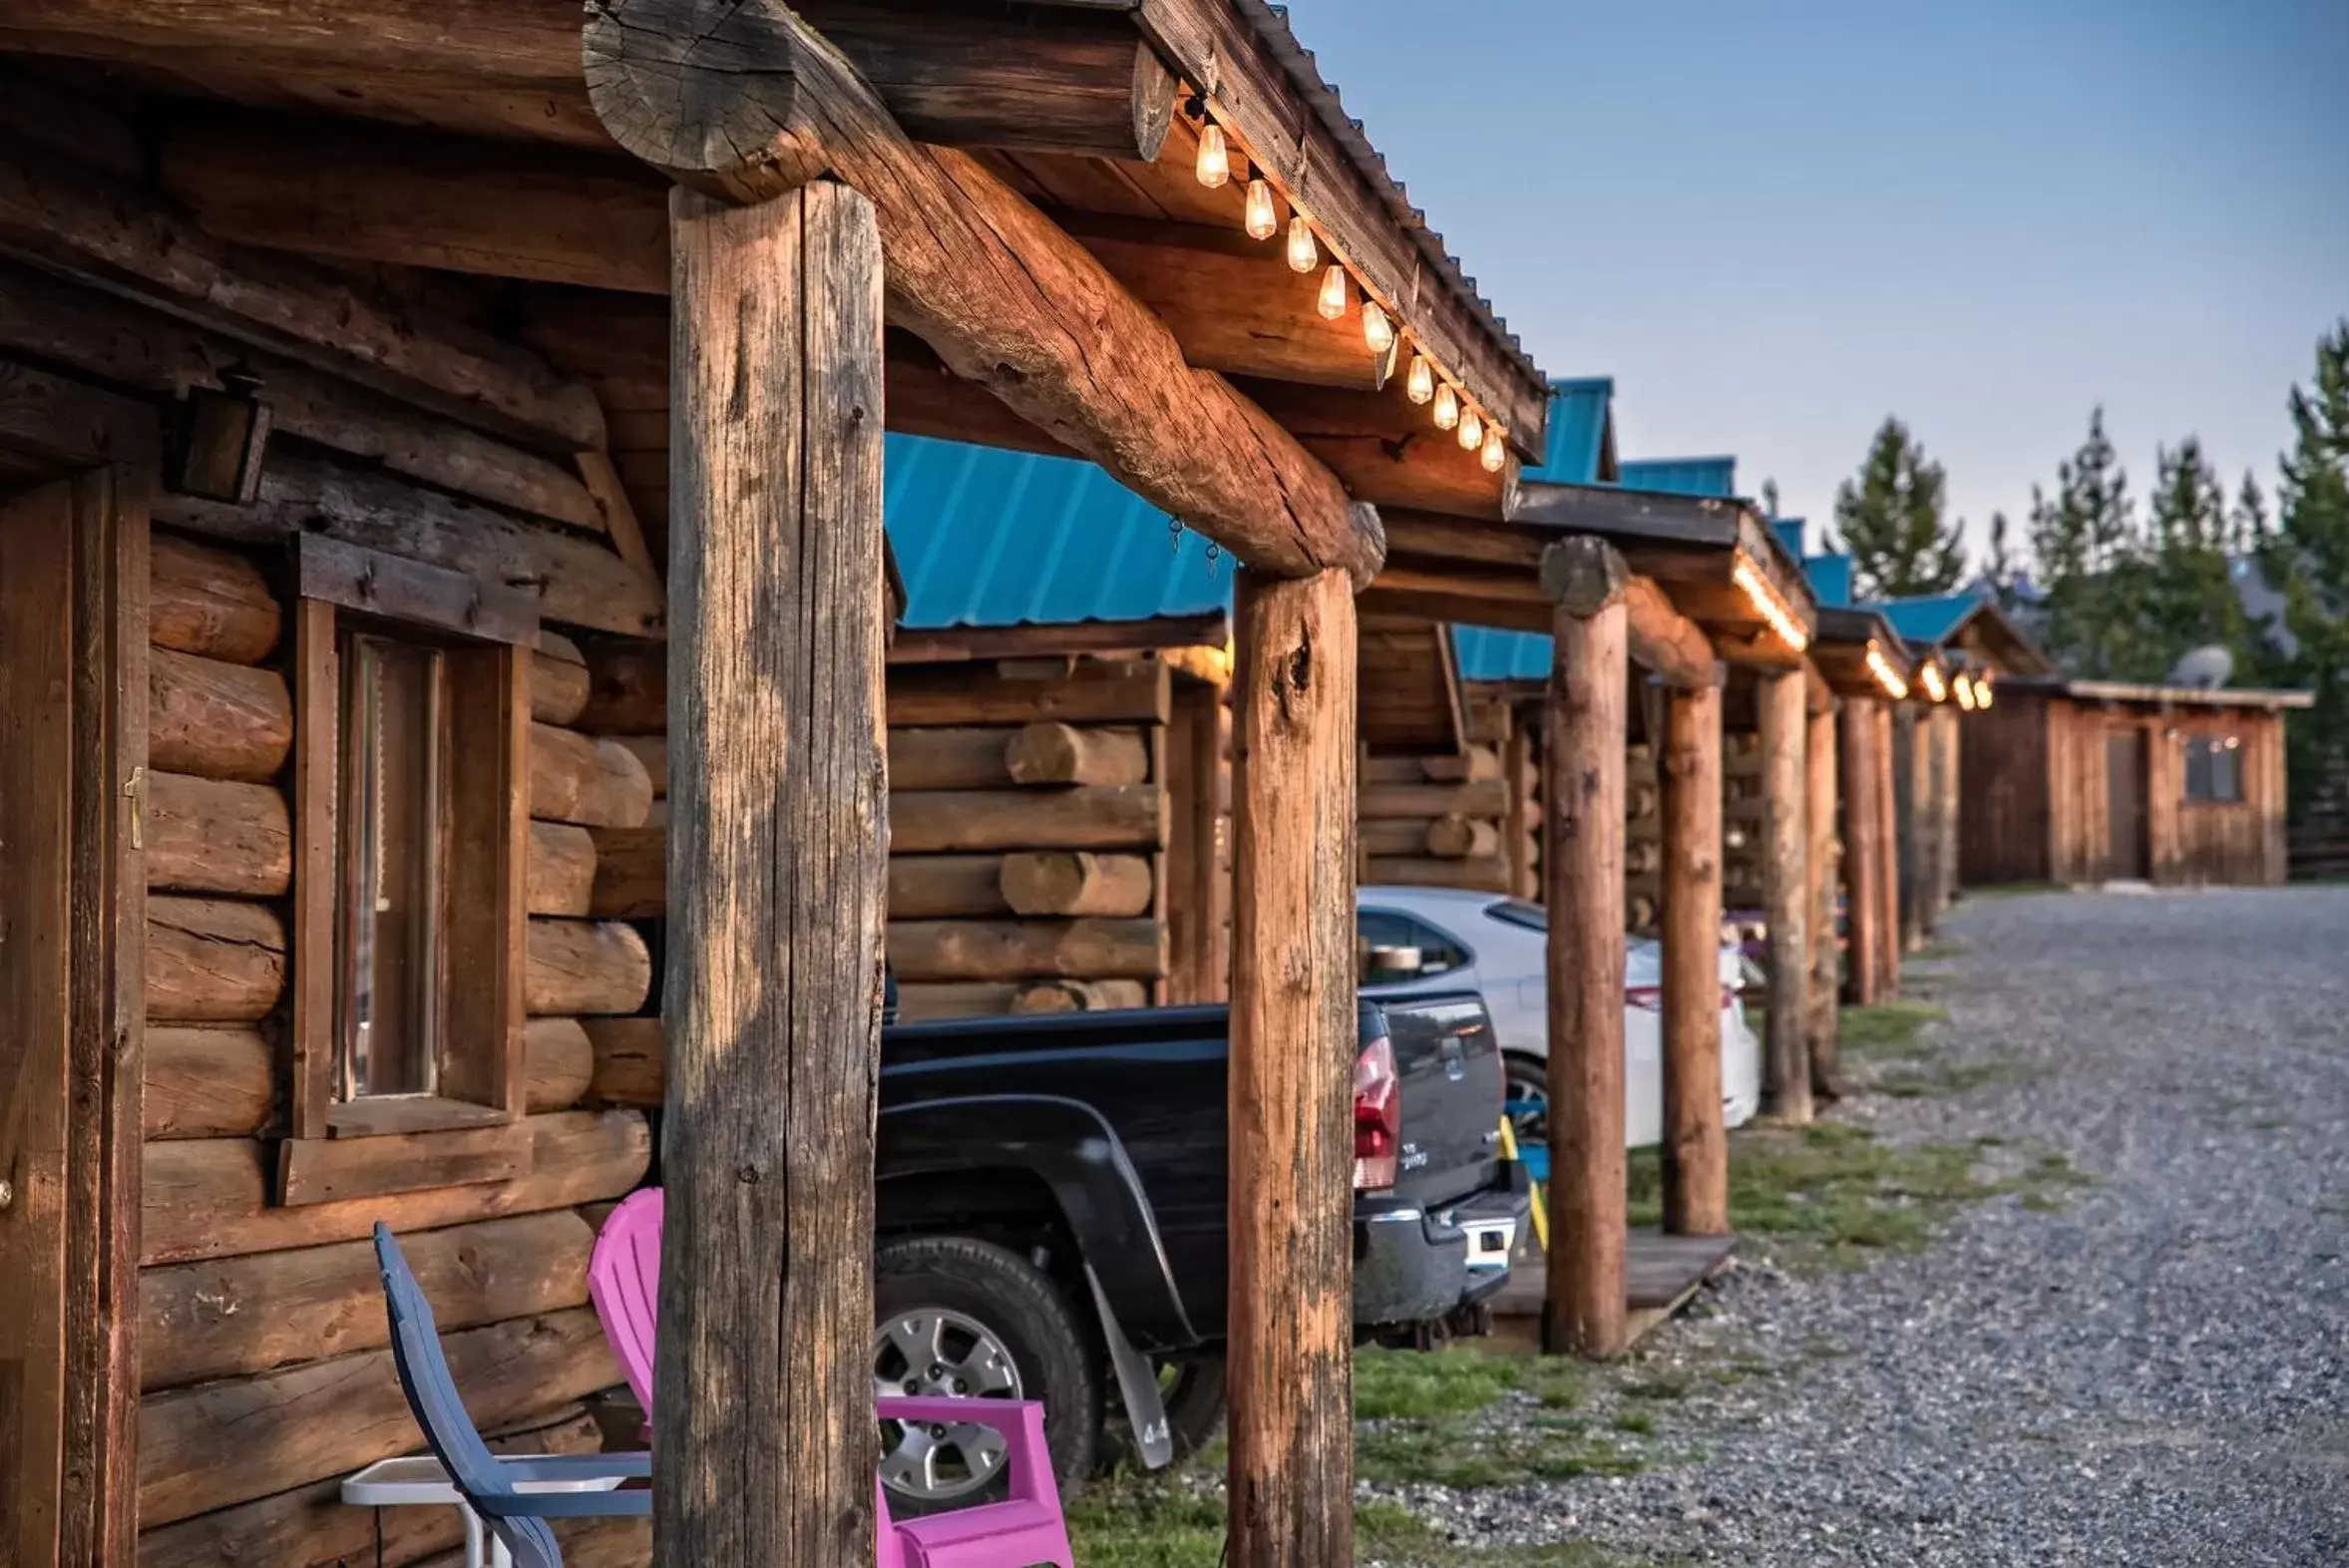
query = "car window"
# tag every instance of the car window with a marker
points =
(1390, 947)
(1516, 911)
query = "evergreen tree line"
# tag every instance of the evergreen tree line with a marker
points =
(2118, 596)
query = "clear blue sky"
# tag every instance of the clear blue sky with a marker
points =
(1774, 223)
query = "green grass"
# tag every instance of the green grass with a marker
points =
(1936, 950)
(1888, 1029)
(1422, 1386)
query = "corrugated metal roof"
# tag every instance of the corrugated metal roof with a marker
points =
(1931, 620)
(1695, 476)
(1830, 578)
(1488, 654)
(990, 538)
(1576, 443)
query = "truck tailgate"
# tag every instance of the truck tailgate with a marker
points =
(1448, 1062)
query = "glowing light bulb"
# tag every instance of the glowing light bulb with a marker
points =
(1421, 383)
(1303, 254)
(1261, 222)
(1215, 163)
(1332, 305)
(1496, 451)
(1965, 691)
(1471, 431)
(1378, 331)
(1448, 407)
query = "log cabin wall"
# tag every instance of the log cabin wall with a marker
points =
(2006, 826)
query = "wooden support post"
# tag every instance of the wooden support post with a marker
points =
(1862, 882)
(1785, 895)
(1887, 805)
(1949, 801)
(1822, 870)
(764, 1444)
(1294, 1029)
(1912, 804)
(1520, 839)
(1583, 739)
(1695, 1143)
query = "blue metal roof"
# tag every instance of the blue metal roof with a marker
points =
(1831, 580)
(1488, 654)
(990, 538)
(1931, 620)
(1576, 443)
(1789, 532)
(1699, 475)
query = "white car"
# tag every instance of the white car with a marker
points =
(1414, 939)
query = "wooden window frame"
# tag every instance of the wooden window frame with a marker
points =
(2190, 801)
(485, 629)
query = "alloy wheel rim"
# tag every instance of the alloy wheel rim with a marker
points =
(933, 1351)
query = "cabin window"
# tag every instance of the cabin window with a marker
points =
(2214, 770)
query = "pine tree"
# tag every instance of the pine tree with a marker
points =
(2090, 565)
(2307, 559)
(2190, 600)
(1999, 571)
(1891, 520)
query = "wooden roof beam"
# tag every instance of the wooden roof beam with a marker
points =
(1006, 298)
(1665, 643)
(1071, 78)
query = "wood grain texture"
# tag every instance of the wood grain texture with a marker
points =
(631, 1056)
(580, 779)
(1582, 879)
(1293, 1042)
(210, 1197)
(209, 602)
(214, 719)
(218, 836)
(317, 816)
(562, 870)
(1696, 1144)
(341, 1170)
(1095, 691)
(1098, 817)
(1050, 753)
(1076, 881)
(1822, 870)
(948, 758)
(981, 950)
(1786, 896)
(1887, 862)
(487, 880)
(1197, 890)
(576, 966)
(1002, 294)
(1856, 779)
(631, 872)
(764, 1443)
(208, 1081)
(935, 887)
(212, 961)
(627, 689)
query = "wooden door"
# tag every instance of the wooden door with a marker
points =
(73, 701)
(2125, 817)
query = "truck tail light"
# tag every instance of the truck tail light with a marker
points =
(1377, 1116)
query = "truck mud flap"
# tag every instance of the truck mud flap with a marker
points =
(1137, 1384)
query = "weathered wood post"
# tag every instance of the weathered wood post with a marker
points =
(1291, 1471)
(1823, 871)
(763, 1436)
(1948, 803)
(1785, 893)
(1582, 875)
(1863, 879)
(1888, 855)
(1912, 805)
(1695, 1143)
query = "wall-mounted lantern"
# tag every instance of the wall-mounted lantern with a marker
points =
(218, 438)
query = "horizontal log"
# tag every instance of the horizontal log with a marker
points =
(312, 1527)
(1079, 996)
(948, 758)
(997, 998)
(580, 581)
(921, 950)
(932, 886)
(631, 872)
(1484, 798)
(212, 961)
(209, 602)
(210, 1197)
(557, 1064)
(1392, 835)
(1459, 838)
(558, 687)
(630, 1056)
(1124, 691)
(216, 836)
(627, 689)
(234, 1316)
(1489, 874)
(230, 1441)
(576, 966)
(1124, 816)
(1076, 881)
(561, 868)
(1054, 753)
(594, 783)
(216, 720)
(339, 1170)
(653, 753)
(208, 1082)
(1475, 764)
(1388, 768)
(75, 221)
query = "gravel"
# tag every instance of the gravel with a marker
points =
(2157, 1374)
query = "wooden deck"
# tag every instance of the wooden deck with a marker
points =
(1661, 1273)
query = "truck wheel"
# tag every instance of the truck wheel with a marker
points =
(1192, 1387)
(957, 1315)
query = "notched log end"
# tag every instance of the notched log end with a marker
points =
(705, 90)
(1582, 574)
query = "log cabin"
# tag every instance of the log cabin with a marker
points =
(444, 471)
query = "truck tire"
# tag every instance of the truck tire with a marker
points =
(1192, 1387)
(979, 1306)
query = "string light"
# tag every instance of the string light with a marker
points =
(1378, 331)
(1771, 608)
(1262, 222)
(1496, 451)
(1304, 253)
(1471, 431)
(1332, 303)
(1215, 162)
(1982, 690)
(1448, 407)
(1419, 385)
(1929, 676)
(1886, 676)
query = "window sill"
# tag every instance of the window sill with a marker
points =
(391, 1115)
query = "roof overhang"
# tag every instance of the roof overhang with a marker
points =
(2127, 692)
(1856, 649)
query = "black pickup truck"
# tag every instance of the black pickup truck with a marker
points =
(1052, 1220)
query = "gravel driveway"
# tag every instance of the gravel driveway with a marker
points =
(2157, 1374)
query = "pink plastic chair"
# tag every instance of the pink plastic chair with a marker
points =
(1028, 1528)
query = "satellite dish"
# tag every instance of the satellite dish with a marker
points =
(2204, 669)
